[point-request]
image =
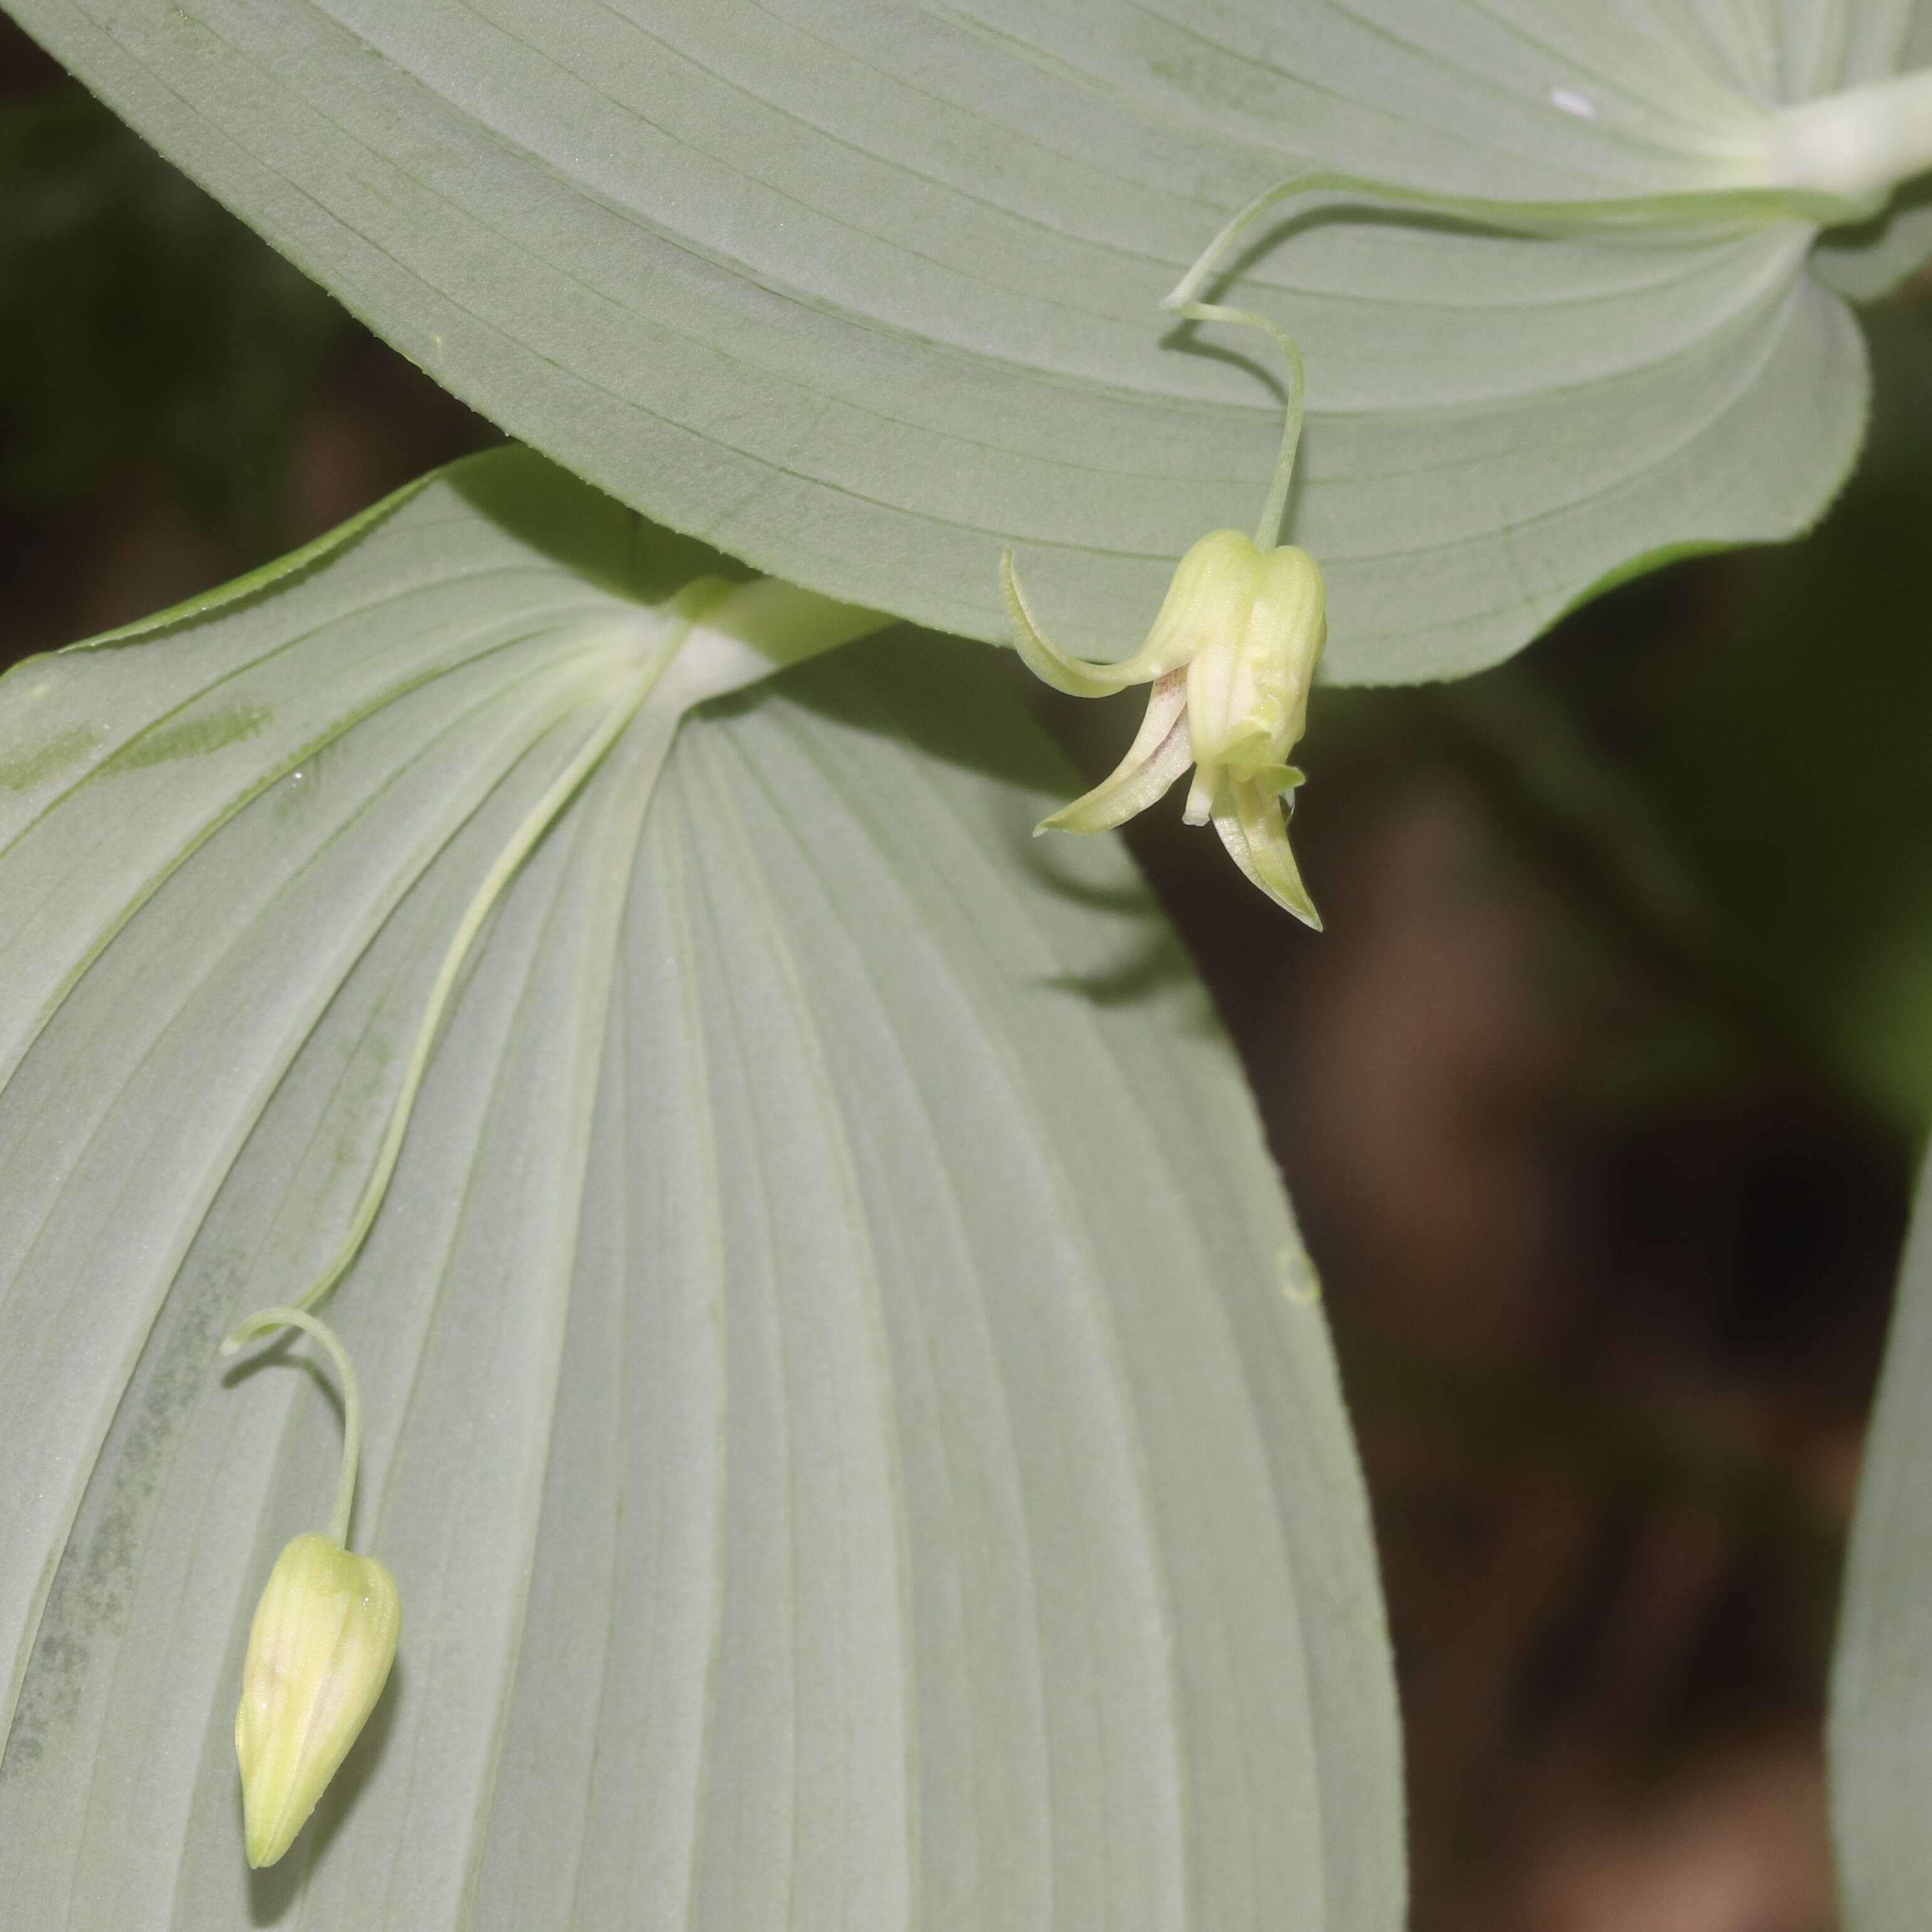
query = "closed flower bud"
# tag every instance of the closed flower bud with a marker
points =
(318, 1654)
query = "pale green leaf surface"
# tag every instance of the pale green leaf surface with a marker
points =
(843, 1412)
(1881, 1719)
(863, 291)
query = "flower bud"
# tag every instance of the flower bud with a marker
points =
(318, 1654)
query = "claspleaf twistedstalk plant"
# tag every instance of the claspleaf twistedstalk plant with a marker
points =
(1230, 661)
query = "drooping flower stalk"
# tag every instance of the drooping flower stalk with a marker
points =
(760, 626)
(689, 604)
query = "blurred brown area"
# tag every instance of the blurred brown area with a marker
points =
(1605, 1189)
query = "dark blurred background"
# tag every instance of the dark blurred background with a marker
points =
(1597, 1100)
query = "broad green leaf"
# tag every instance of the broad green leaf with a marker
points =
(1881, 1725)
(862, 291)
(848, 1415)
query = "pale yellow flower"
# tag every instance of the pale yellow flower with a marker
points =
(1230, 659)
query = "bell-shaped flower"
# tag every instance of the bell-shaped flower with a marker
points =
(318, 1654)
(1230, 658)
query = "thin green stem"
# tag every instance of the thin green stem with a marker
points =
(1650, 219)
(1638, 216)
(1267, 530)
(687, 607)
(259, 1323)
